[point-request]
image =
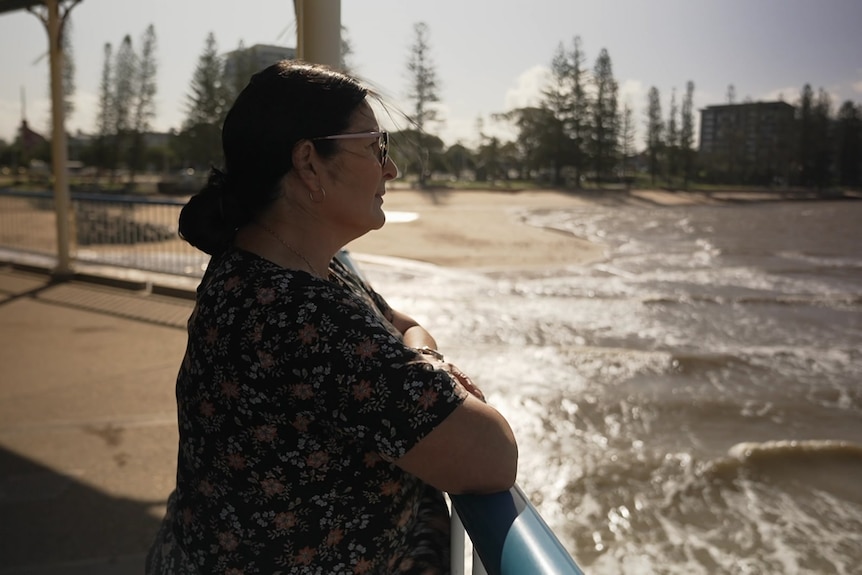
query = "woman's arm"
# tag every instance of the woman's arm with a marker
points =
(472, 451)
(414, 335)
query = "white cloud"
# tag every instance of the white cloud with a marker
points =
(857, 87)
(528, 88)
(788, 94)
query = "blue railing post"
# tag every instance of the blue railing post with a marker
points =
(510, 536)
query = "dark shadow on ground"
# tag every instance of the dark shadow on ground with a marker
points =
(50, 518)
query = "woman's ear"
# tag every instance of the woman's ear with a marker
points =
(304, 159)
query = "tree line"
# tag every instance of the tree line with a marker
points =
(579, 132)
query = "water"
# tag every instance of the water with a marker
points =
(691, 403)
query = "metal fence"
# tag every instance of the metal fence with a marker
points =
(136, 232)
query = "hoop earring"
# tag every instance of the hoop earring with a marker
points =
(322, 199)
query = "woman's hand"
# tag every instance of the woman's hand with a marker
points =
(464, 380)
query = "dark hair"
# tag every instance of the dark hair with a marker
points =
(287, 102)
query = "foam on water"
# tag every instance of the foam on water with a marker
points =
(690, 404)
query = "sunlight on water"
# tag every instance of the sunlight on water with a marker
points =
(691, 404)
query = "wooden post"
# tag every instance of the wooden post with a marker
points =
(59, 151)
(318, 31)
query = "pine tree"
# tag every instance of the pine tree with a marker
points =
(579, 122)
(557, 100)
(655, 132)
(205, 101)
(672, 138)
(423, 92)
(849, 144)
(104, 151)
(686, 135)
(605, 117)
(205, 109)
(123, 98)
(805, 137)
(144, 98)
(627, 141)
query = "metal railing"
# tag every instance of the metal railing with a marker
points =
(132, 232)
(508, 535)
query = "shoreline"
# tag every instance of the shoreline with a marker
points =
(477, 230)
(485, 229)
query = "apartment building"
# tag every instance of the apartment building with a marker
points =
(747, 143)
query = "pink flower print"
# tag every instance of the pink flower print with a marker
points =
(230, 389)
(362, 390)
(265, 359)
(366, 349)
(334, 537)
(188, 515)
(363, 566)
(307, 334)
(390, 488)
(232, 283)
(305, 556)
(206, 488)
(301, 423)
(284, 520)
(257, 332)
(234, 571)
(265, 433)
(207, 409)
(317, 459)
(271, 486)
(371, 459)
(427, 399)
(235, 460)
(212, 335)
(265, 295)
(301, 391)
(228, 541)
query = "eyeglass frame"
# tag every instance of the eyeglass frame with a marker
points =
(382, 137)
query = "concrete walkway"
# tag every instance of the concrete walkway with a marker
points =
(87, 422)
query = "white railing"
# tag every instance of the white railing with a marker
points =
(136, 232)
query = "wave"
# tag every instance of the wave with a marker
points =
(759, 452)
(835, 300)
(796, 466)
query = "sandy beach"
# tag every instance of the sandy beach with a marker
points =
(484, 228)
(476, 229)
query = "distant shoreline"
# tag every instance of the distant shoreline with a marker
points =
(484, 229)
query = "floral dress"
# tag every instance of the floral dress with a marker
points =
(294, 397)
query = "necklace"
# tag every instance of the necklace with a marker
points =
(293, 250)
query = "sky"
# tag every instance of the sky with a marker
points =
(490, 56)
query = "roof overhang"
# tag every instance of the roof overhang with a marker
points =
(12, 5)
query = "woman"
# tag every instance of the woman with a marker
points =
(317, 427)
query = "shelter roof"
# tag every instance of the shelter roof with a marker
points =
(11, 5)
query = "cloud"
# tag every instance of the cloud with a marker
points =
(857, 87)
(528, 88)
(787, 94)
(633, 93)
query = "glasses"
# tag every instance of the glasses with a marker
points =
(382, 140)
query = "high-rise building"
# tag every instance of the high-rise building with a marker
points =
(247, 61)
(749, 142)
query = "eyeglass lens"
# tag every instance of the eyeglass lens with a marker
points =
(384, 148)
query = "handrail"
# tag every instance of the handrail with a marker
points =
(510, 536)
